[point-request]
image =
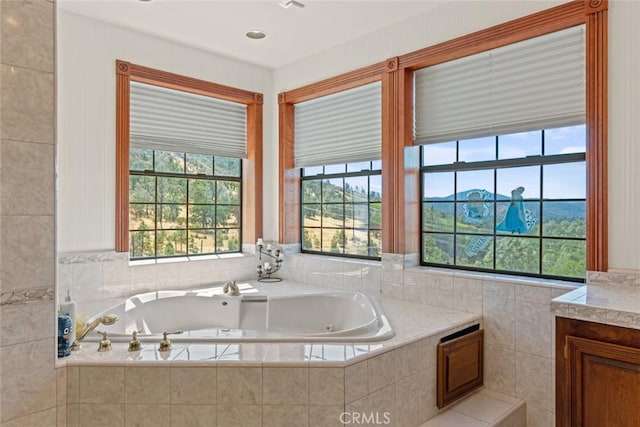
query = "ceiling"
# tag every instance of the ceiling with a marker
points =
(220, 26)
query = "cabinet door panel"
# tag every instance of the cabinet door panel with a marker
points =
(606, 383)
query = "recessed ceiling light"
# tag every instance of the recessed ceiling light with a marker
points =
(256, 34)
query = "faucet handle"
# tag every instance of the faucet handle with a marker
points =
(165, 344)
(105, 343)
(134, 344)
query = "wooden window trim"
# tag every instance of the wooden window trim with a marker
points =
(400, 165)
(251, 166)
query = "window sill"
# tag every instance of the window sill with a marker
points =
(140, 262)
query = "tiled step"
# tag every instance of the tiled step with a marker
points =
(484, 408)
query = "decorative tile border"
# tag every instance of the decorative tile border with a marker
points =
(27, 296)
(91, 257)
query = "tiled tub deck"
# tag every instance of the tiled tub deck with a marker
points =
(267, 384)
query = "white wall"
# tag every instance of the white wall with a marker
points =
(458, 18)
(86, 54)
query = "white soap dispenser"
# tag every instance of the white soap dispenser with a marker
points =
(69, 307)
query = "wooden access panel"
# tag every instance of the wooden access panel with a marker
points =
(459, 367)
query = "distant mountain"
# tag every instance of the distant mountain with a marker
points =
(552, 210)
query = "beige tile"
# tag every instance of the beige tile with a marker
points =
(27, 178)
(533, 328)
(147, 415)
(100, 415)
(428, 352)
(27, 251)
(537, 294)
(408, 401)
(26, 322)
(285, 386)
(427, 392)
(499, 320)
(535, 380)
(73, 384)
(101, 384)
(537, 417)
(408, 360)
(382, 370)
(285, 416)
(482, 407)
(380, 405)
(355, 382)
(454, 419)
(239, 416)
(193, 415)
(467, 294)
(500, 369)
(326, 386)
(193, 385)
(27, 34)
(46, 418)
(516, 418)
(61, 386)
(27, 105)
(28, 378)
(72, 415)
(502, 290)
(147, 385)
(326, 416)
(61, 416)
(238, 386)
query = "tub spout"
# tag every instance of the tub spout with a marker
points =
(231, 289)
(108, 319)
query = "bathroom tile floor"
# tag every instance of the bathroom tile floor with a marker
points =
(484, 408)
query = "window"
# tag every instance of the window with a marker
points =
(512, 203)
(342, 209)
(188, 164)
(183, 204)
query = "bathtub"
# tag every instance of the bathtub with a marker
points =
(210, 315)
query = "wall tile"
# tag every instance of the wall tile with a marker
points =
(239, 415)
(147, 385)
(499, 320)
(238, 386)
(285, 416)
(72, 414)
(147, 415)
(533, 328)
(408, 401)
(325, 416)
(382, 370)
(27, 178)
(27, 105)
(537, 417)
(100, 384)
(28, 378)
(61, 416)
(61, 386)
(356, 382)
(378, 403)
(500, 369)
(100, 415)
(537, 294)
(27, 34)
(535, 380)
(408, 360)
(193, 415)
(502, 290)
(193, 385)
(285, 386)
(73, 384)
(27, 245)
(46, 418)
(26, 322)
(427, 408)
(467, 295)
(326, 386)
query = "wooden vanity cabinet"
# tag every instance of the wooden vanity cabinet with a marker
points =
(597, 374)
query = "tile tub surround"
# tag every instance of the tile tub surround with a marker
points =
(269, 383)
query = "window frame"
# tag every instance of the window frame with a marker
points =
(494, 165)
(346, 174)
(251, 203)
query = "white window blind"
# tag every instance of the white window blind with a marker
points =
(530, 85)
(339, 128)
(174, 120)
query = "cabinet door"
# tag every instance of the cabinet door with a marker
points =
(605, 383)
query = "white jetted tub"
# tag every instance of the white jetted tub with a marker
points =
(210, 315)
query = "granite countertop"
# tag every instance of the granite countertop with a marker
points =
(617, 305)
(410, 321)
